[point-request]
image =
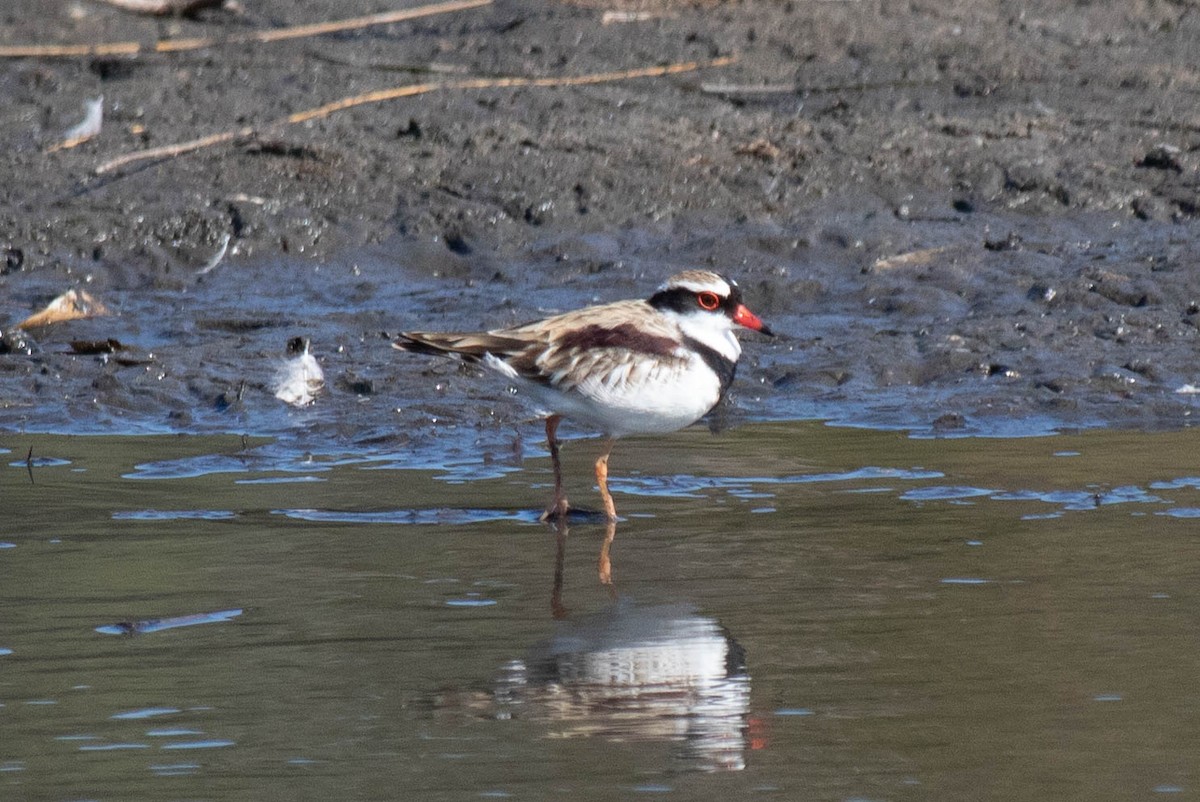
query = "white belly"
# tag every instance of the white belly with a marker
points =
(659, 400)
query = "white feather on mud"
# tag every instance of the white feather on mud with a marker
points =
(93, 121)
(300, 378)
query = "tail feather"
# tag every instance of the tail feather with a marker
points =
(471, 346)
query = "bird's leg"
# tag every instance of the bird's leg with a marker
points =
(558, 508)
(610, 509)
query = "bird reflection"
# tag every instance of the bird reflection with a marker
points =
(603, 567)
(635, 673)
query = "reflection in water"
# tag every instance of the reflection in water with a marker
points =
(632, 673)
(603, 567)
(635, 673)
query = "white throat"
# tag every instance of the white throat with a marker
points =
(715, 331)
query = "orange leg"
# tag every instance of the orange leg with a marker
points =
(558, 508)
(610, 509)
(605, 565)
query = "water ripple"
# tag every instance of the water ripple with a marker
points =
(944, 493)
(1182, 512)
(1065, 500)
(279, 480)
(40, 462)
(211, 464)
(1177, 484)
(435, 515)
(174, 515)
(685, 485)
(159, 624)
(146, 712)
(211, 743)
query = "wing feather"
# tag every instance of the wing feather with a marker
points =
(610, 344)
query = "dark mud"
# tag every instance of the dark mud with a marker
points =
(964, 217)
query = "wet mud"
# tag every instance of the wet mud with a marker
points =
(961, 217)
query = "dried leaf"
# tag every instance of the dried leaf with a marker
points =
(71, 305)
(760, 148)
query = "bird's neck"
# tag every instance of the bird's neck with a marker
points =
(715, 333)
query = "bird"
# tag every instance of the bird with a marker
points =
(629, 367)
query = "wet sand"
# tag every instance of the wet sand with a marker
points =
(964, 217)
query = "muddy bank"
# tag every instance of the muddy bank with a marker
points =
(965, 218)
(1065, 325)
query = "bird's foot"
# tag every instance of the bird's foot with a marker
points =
(557, 511)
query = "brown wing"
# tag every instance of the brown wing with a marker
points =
(602, 342)
(598, 341)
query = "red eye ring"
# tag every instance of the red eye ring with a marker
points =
(708, 300)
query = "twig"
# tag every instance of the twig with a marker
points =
(616, 16)
(167, 151)
(798, 89)
(382, 95)
(910, 259)
(260, 37)
(750, 89)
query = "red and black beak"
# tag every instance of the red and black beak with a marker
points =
(744, 317)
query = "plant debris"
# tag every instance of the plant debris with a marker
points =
(165, 8)
(257, 37)
(92, 347)
(71, 305)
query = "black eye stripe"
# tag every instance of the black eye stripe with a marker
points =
(681, 299)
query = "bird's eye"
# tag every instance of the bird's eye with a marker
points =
(708, 300)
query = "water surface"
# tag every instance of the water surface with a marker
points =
(797, 611)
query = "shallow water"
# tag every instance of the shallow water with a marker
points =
(797, 611)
